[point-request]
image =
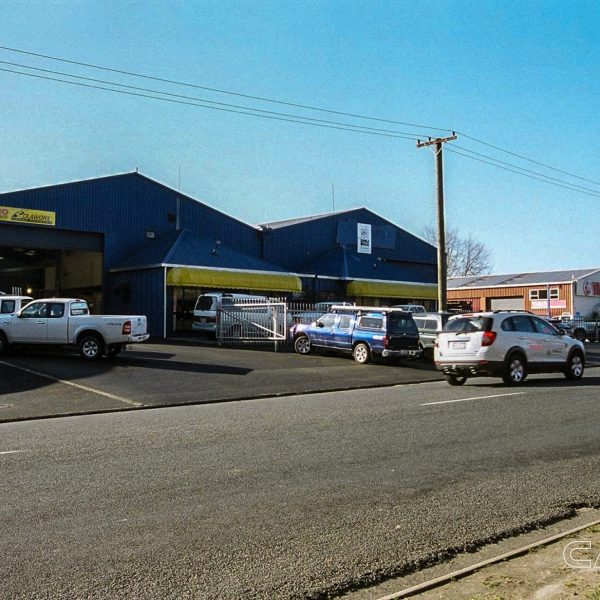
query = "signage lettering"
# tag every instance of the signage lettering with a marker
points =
(28, 216)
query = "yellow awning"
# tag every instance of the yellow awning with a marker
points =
(239, 280)
(392, 289)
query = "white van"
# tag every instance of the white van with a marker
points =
(205, 310)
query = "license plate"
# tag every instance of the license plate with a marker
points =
(458, 345)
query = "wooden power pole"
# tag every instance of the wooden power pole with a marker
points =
(442, 265)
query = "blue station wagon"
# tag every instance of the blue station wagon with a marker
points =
(364, 332)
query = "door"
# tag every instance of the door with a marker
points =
(342, 333)
(555, 349)
(322, 331)
(31, 326)
(57, 323)
(528, 339)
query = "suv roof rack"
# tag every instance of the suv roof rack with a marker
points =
(380, 309)
(513, 310)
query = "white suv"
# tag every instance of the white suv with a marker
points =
(507, 344)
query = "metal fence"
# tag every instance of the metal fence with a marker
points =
(248, 322)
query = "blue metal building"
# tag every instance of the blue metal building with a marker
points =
(392, 267)
(130, 245)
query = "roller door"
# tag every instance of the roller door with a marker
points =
(507, 303)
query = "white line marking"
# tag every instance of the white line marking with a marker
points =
(475, 398)
(76, 385)
(10, 452)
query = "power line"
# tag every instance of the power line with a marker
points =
(195, 99)
(535, 162)
(574, 185)
(219, 91)
(521, 173)
(199, 105)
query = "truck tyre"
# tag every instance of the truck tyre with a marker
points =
(3, 344)
(91, 346)
(575, 366)
(114, 349)
(302, 345)
(515, 370)
(361, 353)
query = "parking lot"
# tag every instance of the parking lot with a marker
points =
(36, 383)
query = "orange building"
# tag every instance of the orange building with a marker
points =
(553, 293)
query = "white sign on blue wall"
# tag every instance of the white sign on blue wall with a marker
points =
(364, 238)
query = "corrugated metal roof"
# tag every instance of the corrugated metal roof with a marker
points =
(517, 279)
(187, 248)
(288, 222)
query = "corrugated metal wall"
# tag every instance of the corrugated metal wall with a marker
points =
(484, 296)
(137, 293)
(296, 245)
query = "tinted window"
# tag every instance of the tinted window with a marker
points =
(8, 306)
(420, 323)
(206, 303)
(36, 310)
(79, 308)
(371, 322)
(542, 326)
(399, 324)
(523, 323)
(466, 325)
(327, 320)
(508, 325)
(345, 322)
(431, 324)
(57, 310)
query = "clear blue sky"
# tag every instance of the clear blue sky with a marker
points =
(524, 76)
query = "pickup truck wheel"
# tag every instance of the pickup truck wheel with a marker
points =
(361, 354)
(575, 366)
(91, 347)
(3, 344)
(302, 345)
(515, 370)
(115, 349)
(579, 334)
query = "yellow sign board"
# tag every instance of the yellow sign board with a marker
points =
(26, 215)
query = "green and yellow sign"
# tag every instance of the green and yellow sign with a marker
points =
(28, 216)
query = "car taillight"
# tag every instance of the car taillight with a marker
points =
(386, 342)
(126, 328)
(489, 337)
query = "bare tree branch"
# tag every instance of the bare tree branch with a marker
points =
(464, 255)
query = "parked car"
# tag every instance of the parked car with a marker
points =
(507, 344)
(579, 328)
(413, 308)
(364, 332)
(429, 326)
(319, 309)
(12, 304)
(205, 310)
(67, 322)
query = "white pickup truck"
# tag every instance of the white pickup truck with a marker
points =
(67, 321)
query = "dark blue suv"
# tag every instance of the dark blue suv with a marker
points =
(362, 331)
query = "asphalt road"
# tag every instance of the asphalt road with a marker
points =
(293, 497)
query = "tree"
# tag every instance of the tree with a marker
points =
(465, 255)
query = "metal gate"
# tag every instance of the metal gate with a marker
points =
(252, 322)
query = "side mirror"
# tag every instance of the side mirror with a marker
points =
(319, 324)
(561, 331)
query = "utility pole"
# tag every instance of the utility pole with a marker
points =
(442, 266)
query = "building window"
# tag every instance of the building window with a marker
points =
(542, 294)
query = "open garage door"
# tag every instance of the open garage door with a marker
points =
(49, 262)
(507, 303)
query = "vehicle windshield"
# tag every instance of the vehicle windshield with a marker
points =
(401, 324)
(466, 325)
